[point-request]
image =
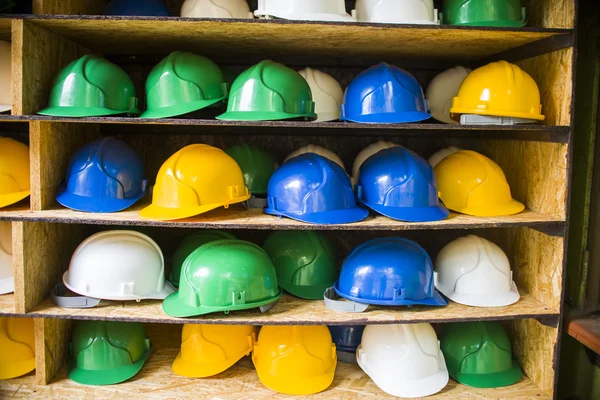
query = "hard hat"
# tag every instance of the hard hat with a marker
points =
(439, 155)
(91, 87)
(386, 272)
(474, 271)
(304, 262)
(5, 76)
(479, 354)
(208, 350)
(471, 183)
(399, 184)
(442, 89)
(404, 360)
(14, 171)
(107, 352)
(346, 337)
(7, 280)
(137, 8)
(327, 94)
(499, 89)
(187, 247)
(396, 11)
(310, 188)
(182, 83)
(304, 10)
(296, 360)
(216, 9)
(17, 341)
(366, 153)
(508, 13)
(223, 276)
(269, 91)
(195, 180)
(320, 150)
(384, 94)
(257, 166)
(104, 176)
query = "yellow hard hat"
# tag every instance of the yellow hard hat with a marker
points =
(14, 171)
(17, 342)
(297, 360)
(498, 89)
(208, 350)
(196, 179)
(471, 183)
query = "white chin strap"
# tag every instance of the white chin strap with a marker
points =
(335, 302)
(473, 119)
(64, 298)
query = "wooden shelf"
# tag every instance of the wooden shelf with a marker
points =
(7, 305)
(586, 330)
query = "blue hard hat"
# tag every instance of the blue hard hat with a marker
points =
(384, 94)
(138, 8)
(106, 175)
(347, 338)
(313, 189)
(399, 184)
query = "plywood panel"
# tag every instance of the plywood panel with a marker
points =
(550, 13)
(51, 338)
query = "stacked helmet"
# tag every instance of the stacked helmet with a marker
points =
(296, 360)
(17, 341)
(439, 155)
(441, 91)
(141, 8)
(320, 150)
(91, 87)
(208, 350)
(7, 279)
(313, 189)
(14, 171)
(396, 11)
(5, 77)
(304, 262)
(223, 276)
(195, 180)
(106, 175)
(257, 166)
(216, 9)
(404, 360)
(347, 337)
(367, 152)
(304, 10)
(384, 94)
(508, 13)
(327, 94)
(399, 184)
(471, 183)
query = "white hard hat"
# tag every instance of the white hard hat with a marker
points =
(304, 10)
(366, 153)
(5, 77)
(327, 94)
(216, 9)
(474, 271)
(442, 89)
(396, 11)
(404, 360)
(322, 151)
(439, 155)
(7, 280)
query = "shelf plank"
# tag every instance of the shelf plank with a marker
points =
(586, 330)
(7, 305)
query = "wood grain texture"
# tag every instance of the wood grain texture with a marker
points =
(586, 330)
(550, 13)
(70, 7)
(7, 304)
(51, 338)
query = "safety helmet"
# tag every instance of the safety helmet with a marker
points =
(327, 94)
(439, 155)
(404, 360)
(320, 150)
(399, 184)
(141, 8)
(473, 271)
(479, 354)
(296, 360)
(269, 91)
(310, 188)
(384, 94)
(499, 89)
(187, 247)
(257, 166)
(508, 13)
(105, 176)
(470, 183)
(195, 180)
(182, 83)
(7, 280)
(17, 341)
(107, 352)
(14, 171)
(91, 87)
(208, 350)
(386, 272)
(223, 276)
(346, 337)
(396, 11)
(304, 262)
(5, 76)
(442, 89)
(366, 153)
(304, 10)
(216, 9)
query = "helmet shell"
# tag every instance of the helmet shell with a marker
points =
(347, 337)
(216, 9)
(397, 11)
(14, 171)
(17, 341)
(257, 166)
(442, 89)
(320, 150)
(507, 13)
(327, 94)
(304, 10)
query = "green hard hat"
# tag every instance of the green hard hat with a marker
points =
(181, 83)
(187, 247)
(269, 91)
(107, 352)
(257, 166)
(304, 262)
(91, 87)
(223, 276)
(507, 13)
(479, 354)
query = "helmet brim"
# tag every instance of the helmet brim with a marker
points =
(491, 210)
(263, 116)
(202, 370)
(78, 112)
(479, 300)
(13, 368)
(411, 214)
(307, 17)
(5, 107)
(179, 109)
(7, 285)
(297, 386)
(94, 205)
(167, 214)
(455, 114)
(12, 198)
(494, 380)
(312, 292)
(345, 216)
(389, 118)
(435, 300)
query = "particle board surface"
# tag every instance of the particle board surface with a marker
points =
(7, 304)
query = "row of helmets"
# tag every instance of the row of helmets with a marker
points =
(508, 13)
